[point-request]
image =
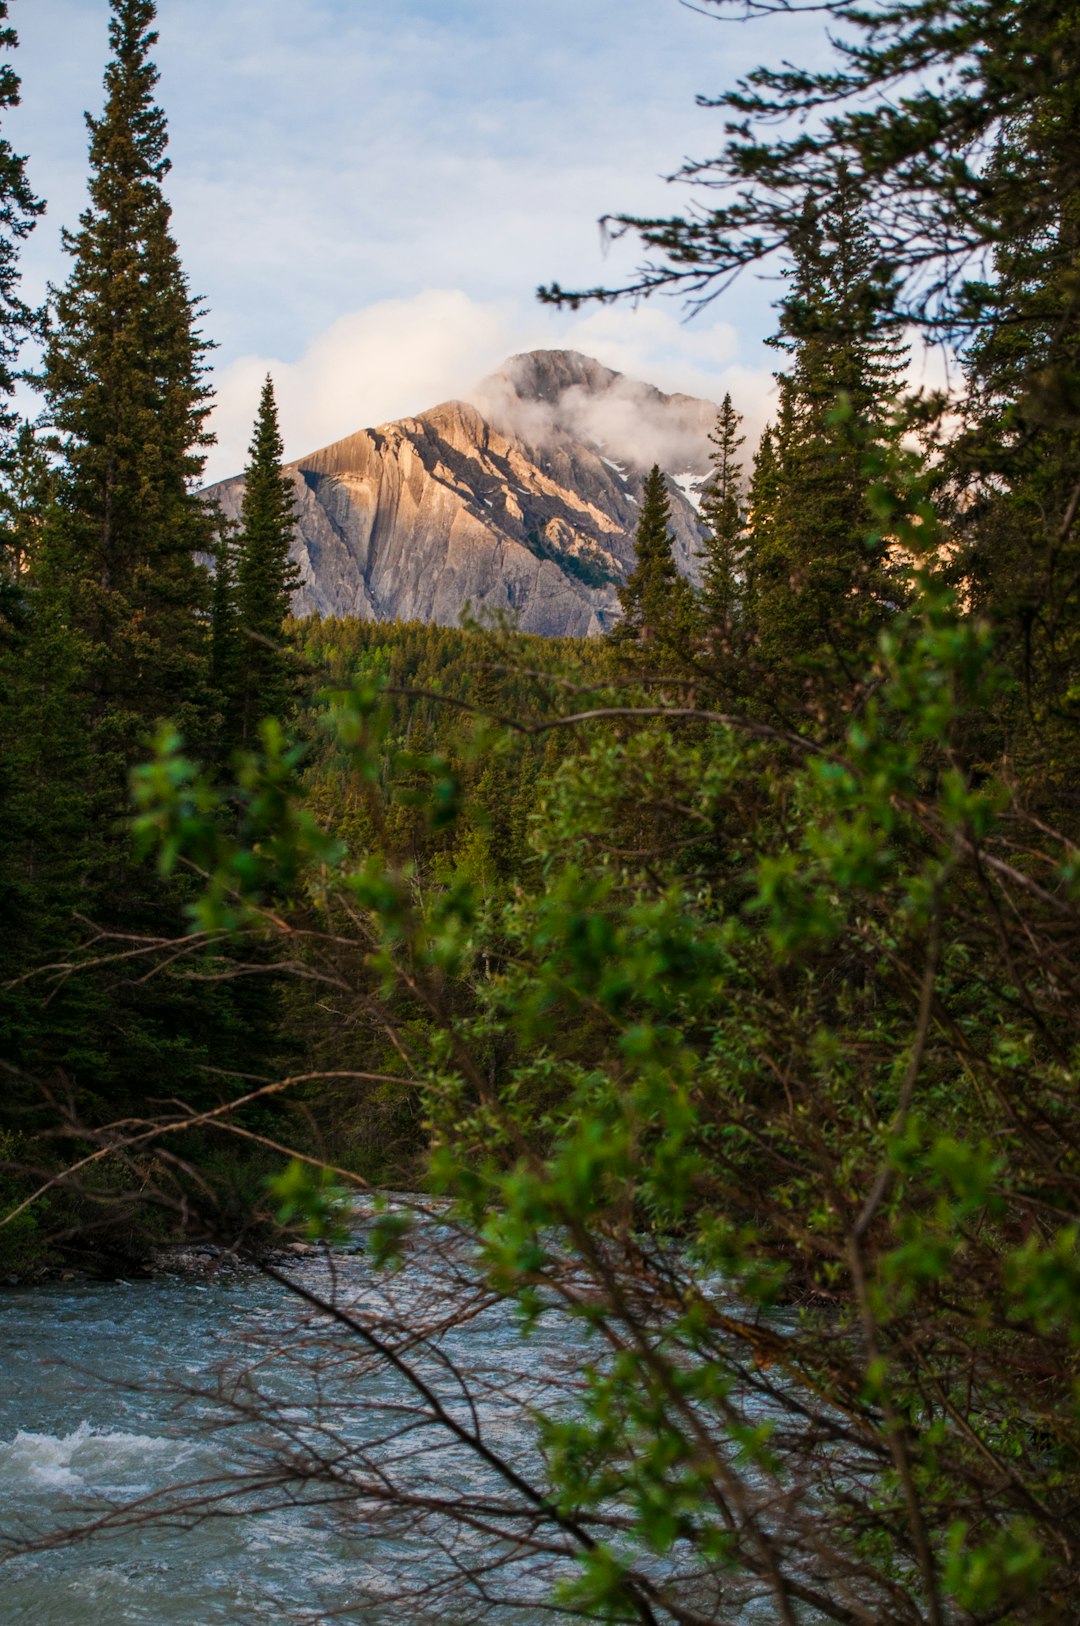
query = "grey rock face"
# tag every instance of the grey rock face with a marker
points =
(523, 504)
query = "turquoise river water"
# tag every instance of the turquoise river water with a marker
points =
(233, 1448)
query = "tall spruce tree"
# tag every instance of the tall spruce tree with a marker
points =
(24, 488)
(655, 599)
(19, 212)
(266, 578)
(725, 520)
(118, 629)
(124, 380)
(1015, 465)
(818, 588)
(20, 209)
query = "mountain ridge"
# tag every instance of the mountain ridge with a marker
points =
(521, 502)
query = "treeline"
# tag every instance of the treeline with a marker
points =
(112, 622)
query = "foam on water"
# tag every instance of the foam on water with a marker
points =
(88, 1458)
(108, 1394)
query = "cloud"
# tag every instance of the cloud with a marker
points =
(397, 357)
(654, 342)
(339, 157)
(625, 417)
(390, 360)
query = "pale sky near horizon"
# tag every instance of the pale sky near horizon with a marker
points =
(366, 196)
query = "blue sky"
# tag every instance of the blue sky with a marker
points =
(367, 194)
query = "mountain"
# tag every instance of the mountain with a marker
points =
(522, 501)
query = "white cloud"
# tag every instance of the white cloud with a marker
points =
(391, 359)
(399, 356)
(344, 155)
(654, 343)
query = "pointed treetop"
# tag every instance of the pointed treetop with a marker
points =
(724, 517)
(654, 597)
(131, 134)
(19, 212)
(266, 443)
(124, 377)
(266, 577)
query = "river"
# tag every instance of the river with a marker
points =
(179, 1396)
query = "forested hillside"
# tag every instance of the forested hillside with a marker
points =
(719, 973)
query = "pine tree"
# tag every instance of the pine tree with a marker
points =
(265, 576)
(655, 599)
(19, 212)
(20, 209)
(124, 379)
(1014, 468)
(225, 649)
(818, 589)
(25, 489)
(725, 520)
(764, 484)
(117, 636)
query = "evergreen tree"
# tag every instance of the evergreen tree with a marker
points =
(19, 211)
(725, 520)
(266, 578)
(225, 637)
(117, 634)
(1014, 467)
(124, 379)
(764, 492)
(655, 599)
(25, 490)
(920, 98)
(819, 590)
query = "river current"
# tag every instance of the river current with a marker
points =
(116, 1396)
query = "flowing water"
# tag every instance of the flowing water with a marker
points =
(112, 1394)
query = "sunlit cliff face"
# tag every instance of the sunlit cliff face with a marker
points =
(523, 503)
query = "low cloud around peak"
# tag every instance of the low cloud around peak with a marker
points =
(544, 394)
(400, 357)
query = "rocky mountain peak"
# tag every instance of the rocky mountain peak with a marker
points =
(550, 397)
(546, 375)
(522, 501)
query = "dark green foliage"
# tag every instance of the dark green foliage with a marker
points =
(819, 581)
(123, 377)
(112, 636)
(225, 649)
(918, 98)
(265, 577)
(723, 512)
(19, 211)
(1014, 465)
(764, 496)
(655, 599)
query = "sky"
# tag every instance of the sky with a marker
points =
(366, 195)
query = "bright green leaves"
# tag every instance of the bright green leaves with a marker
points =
(1043, 1278)
(984, 1574)
(176, 806)
(665, 1066)
(311, 1199)
(863, 831)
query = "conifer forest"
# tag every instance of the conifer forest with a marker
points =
(702, 999)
